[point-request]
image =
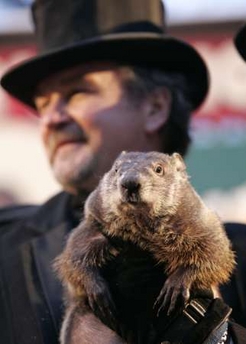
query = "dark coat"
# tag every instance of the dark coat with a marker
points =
(30, 294)
(30, 299)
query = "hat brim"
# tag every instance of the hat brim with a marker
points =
(155, 50)
(240, 42)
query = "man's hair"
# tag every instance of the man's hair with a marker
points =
(140, 81)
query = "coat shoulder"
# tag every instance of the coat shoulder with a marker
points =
(16, 213)
(235, 230)
(237, 234)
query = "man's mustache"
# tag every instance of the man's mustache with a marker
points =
(58, 137)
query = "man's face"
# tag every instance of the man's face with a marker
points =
(86, 120)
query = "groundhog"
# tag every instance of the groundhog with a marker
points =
(146, 199)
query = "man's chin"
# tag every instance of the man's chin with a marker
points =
(74, 179)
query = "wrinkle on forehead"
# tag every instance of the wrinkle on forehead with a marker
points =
(74, 74)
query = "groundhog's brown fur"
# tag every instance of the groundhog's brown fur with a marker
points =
(146, 199)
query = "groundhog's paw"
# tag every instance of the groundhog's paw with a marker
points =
(100, 300)
(173, 293)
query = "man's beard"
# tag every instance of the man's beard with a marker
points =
(78, 176)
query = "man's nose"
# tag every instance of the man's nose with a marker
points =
(55, 111)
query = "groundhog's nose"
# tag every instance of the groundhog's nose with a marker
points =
(130, 187)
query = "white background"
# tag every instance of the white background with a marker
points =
(15, 15)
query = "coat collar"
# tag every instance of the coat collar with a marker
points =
(55, 219)
(32, 292)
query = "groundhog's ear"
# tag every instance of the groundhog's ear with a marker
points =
(178, 162)
(122, 153)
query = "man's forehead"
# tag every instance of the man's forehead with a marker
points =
(74, 74)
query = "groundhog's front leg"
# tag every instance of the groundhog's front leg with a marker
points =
(177, 286)
(79, 265)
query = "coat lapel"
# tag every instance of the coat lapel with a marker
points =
(52, 244)
(33, 293)
(46, 248)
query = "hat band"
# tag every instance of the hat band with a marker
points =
(140, 26)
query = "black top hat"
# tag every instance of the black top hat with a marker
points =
(71, 32)
(240, 42)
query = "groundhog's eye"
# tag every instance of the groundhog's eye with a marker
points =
(116, 168)
(159, 170)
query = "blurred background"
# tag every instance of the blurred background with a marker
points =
(217, 160)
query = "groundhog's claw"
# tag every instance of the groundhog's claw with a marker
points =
(172, 292)
(101, 302)
(166, 301)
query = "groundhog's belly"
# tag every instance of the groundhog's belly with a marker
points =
(135, 281)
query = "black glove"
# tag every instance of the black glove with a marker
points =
(203, 320)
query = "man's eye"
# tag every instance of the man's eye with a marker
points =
(41, 103)
(78, 94)
(73, 95)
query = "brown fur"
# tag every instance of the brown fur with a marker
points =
(146, 198)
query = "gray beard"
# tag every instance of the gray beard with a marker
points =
(80, 178)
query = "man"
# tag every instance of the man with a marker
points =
(108, 80)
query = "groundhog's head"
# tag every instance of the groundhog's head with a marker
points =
(140, 180)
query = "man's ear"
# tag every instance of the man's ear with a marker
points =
(158, 105)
